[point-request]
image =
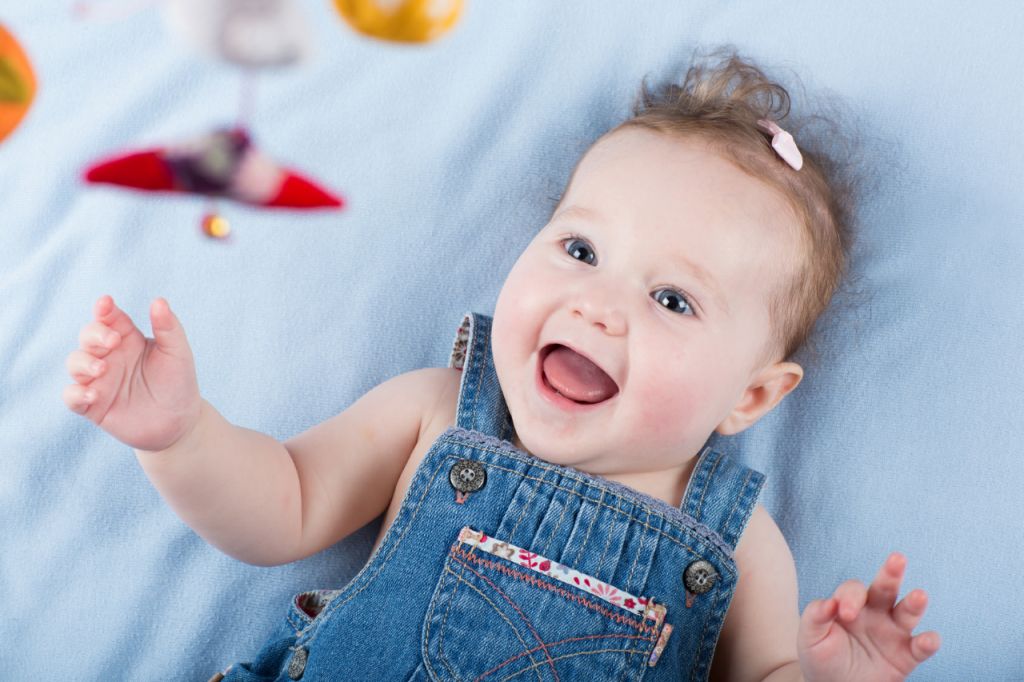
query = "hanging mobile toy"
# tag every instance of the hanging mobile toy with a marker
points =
(17, 83)
(248, 33)
(223, 164)
(405, 21)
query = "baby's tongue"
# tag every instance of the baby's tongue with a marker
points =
(576, 377)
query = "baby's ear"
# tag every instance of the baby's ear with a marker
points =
(770, 385)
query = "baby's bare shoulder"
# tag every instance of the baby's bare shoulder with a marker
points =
(351, 465)
(425, 391)
(762, 545)
(759, 633)
(441, 393)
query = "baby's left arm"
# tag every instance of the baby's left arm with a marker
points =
(859, 634)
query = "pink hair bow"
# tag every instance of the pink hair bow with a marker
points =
(784, 144)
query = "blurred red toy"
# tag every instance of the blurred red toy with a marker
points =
(224, 164)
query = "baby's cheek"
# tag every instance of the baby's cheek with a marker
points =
(677, 409)
(668, 410)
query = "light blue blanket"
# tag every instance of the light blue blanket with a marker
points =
(906, 435)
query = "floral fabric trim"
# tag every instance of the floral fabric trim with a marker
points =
(645, 608)
(659, 648)
(313, 602)
(460, 348)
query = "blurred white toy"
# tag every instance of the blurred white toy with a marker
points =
(223, 164)
(249, 33)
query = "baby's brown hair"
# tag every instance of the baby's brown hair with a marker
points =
(721, 100)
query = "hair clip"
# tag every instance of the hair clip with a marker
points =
(784, 144)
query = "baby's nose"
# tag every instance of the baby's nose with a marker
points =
(601, 309)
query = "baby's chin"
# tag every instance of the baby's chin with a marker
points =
(593, 461)
(535, 447)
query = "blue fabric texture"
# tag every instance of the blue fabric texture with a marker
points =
(428, 606)
(905, 434)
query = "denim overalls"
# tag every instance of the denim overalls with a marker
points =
(500, 566)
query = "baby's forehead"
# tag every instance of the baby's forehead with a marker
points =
(679, 176)
(687, 202)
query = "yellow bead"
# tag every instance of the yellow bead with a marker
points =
(216, 226)
(407, 21)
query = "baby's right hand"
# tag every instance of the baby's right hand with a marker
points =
(142, 391)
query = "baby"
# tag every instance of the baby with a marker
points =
(549, 506)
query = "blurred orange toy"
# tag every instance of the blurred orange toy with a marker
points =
(404, 21)
(17, 83)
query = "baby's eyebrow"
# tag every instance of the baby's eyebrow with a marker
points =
(709, 283)
(575, 212)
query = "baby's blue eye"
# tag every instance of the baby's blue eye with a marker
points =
(580, 250)
(673, 300)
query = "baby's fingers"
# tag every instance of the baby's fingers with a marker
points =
(98, 339)
(909, 611)
(78, 398)
(167, 330)
(886, 585)
(816, 621)
(84, 367)
(113, 317)
(851, 596)
(924, 645)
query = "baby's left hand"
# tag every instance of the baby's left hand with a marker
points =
(858, 634)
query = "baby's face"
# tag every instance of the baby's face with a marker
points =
(631, 326)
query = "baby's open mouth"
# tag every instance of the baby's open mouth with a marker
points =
(575, 377)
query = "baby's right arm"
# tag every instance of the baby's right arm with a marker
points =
(258, 500)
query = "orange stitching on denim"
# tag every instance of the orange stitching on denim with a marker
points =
(565, 507)
(514, 605)
(587, 539)
(707, 482)
(495, 607)
(527, 505)
(668, 521)
(536, 582)
(597, 573)
(564, 641)
(743, 488)
(579, 653)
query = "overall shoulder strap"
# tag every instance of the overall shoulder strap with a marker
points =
(481, 403)
(722, 494)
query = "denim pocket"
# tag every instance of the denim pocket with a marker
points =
(501, 612)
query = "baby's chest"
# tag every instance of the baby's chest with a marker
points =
(541, 558)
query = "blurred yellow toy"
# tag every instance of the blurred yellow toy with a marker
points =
(404, 21)
(17, 83)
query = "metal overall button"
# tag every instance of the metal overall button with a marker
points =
(467, 476)
(297, 666)
(699, 576)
